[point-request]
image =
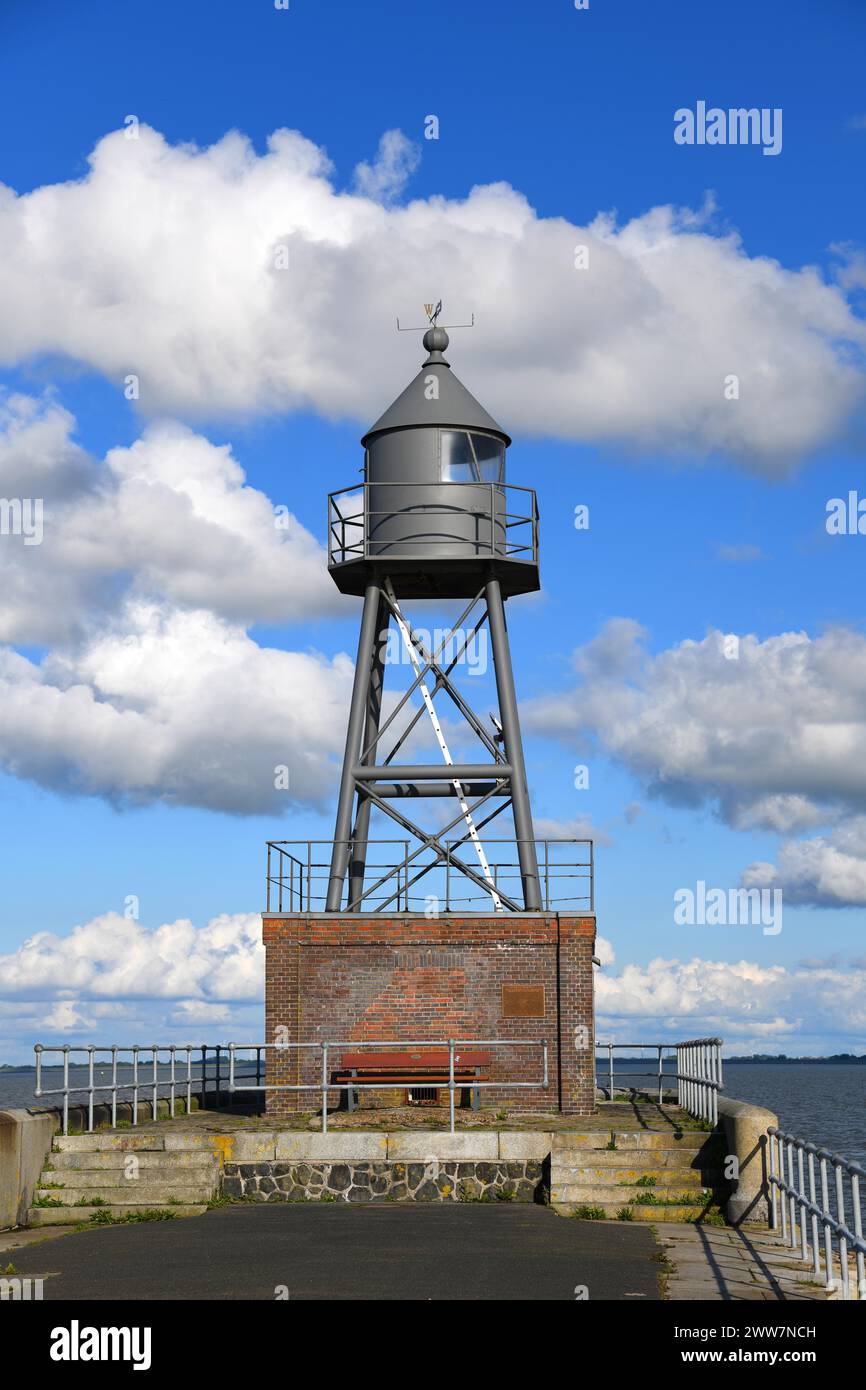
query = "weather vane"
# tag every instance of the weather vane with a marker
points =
(433, 311)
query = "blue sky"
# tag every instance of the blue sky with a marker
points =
(707, 516)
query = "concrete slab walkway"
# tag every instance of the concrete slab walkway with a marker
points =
(749, 1264)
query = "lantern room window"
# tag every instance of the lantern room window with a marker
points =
(465, 456)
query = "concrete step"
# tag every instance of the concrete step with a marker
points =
(591, 1195)
(679, 1178)
(162, 1160)
(68, 1216)
(169, 1178)
(134, 1194)
(630, 1139)
(107, 1141)
(642, 1213)
(623, 1158)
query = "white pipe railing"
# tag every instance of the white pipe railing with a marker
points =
(805, 1201)
(699, 1077)
(153, 1069)
(326, 1050)
(698, 1072)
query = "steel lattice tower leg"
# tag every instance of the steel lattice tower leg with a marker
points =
(513, 747)
(357, 719)
(358, 861)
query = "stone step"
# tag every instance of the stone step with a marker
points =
(164, 1161)
(646, 1160)
(169, 1178)
(614, 1177)
(642, 1213)
(67, 1216)
(107, 1141)
(591, 1194)
(134, 1194)
(691, 1141)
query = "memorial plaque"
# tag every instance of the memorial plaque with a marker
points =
(523, 1001)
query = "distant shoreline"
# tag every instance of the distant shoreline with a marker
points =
(847, 1059)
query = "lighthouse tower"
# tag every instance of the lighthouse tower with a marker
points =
(435, 519)
(442, 929)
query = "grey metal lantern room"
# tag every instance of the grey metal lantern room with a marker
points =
(435, 519)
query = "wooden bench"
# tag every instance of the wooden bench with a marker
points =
(414, 1068)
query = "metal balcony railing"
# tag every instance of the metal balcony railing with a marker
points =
(503, 526)
(400, 876)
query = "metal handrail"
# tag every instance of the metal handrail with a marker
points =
(698, 1072)
(326, 1085)
(152, 1057)
(789, 1197)
(297, 892)
(364, 544)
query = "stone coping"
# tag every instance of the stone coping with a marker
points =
(358, 1146)
(373, 1146)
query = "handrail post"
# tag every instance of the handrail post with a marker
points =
(858, 1231)
(783, 1196)
(155, 1081)
(66, 1090)
(830, 1278)
(451, 1081)
(774, 1191)
(843, 1244)
(661, 1089)
(610, 1069)
(90, 1052)
(816, 1258)
(114, 1087)
(791, 1198)
(801, 1188)
(324, 1088)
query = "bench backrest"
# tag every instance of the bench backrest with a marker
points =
(413, 1059)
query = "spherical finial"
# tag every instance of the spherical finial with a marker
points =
(435, 339)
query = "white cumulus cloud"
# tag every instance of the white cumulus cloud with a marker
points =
(228, 280)
(772, 734)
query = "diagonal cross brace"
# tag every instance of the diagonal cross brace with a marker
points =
(440, 739)
(432, 841)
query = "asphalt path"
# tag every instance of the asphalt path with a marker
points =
(340, 1252)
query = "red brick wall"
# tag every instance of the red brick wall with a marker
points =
(409, 977)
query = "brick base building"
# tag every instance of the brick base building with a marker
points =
(370, 977)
